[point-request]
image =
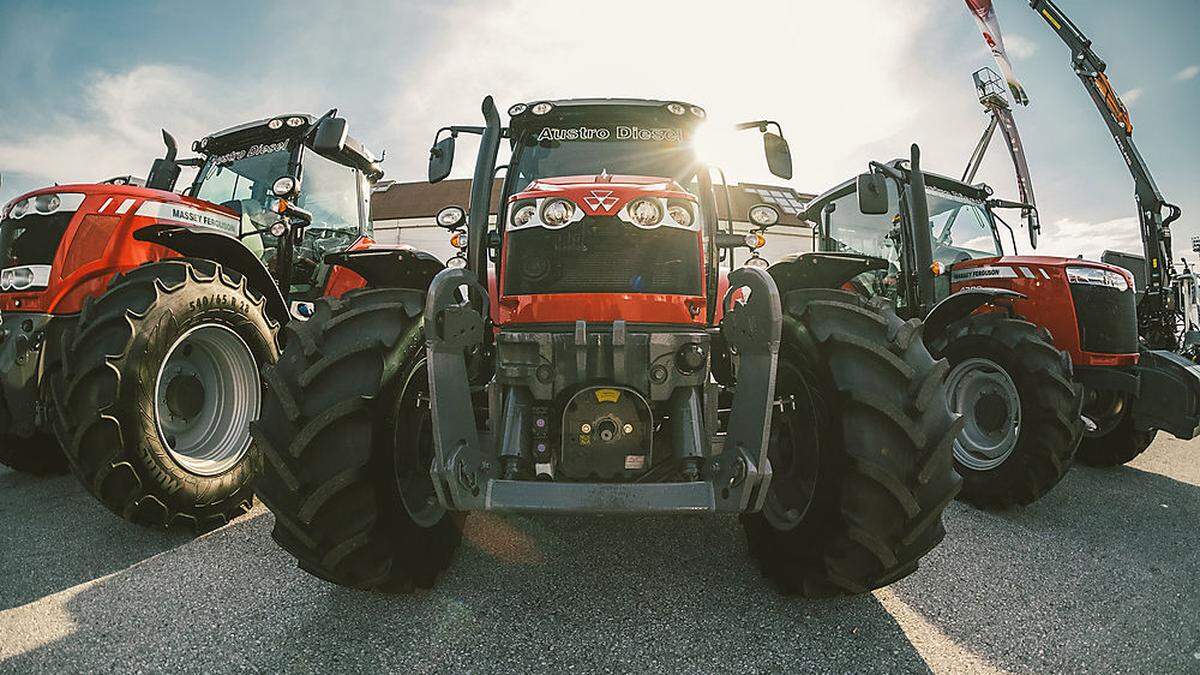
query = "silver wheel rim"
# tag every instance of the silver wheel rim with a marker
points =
(987, 398)
(206, 394)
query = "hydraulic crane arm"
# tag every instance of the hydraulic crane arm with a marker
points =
(1157, 313)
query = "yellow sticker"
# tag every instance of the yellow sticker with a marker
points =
(608, 395)
(585, 439)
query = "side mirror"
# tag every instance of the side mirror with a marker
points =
(1035, 226)
(779, 155)
(872, 194)
(441, 159)
(330, 137)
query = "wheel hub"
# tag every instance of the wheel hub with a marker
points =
(986, 396)
(185, 396)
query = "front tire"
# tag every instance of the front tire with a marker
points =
(161, 386)
(1020, 407)
(348, 447)
(860, 449)
(1116, 440)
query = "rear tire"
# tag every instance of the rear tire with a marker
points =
(1014, 448)
(149, 450)
(860, 449)
(348, 449)
(1116, 441)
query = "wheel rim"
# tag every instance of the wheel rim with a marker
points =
(415, 453)
(794, 451)
(987, 398)
(206, 394)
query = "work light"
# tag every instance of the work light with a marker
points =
(681, 213)
(764, 215)
(645, 212)
(557, 212)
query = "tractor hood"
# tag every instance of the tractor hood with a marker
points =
(1032, 267)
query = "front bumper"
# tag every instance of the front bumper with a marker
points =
(1164, 388)
(22, 338)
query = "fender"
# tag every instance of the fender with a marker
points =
(225, 250)
(957, 306)
(390, 267)
(821, 270)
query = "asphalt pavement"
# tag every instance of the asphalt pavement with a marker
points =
(1102, 575)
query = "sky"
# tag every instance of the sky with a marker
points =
(87, 86)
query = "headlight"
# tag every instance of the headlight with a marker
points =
(557, 212)
(284, 186)
(278, 229)
(676, 108)
(19, 209)
(523, 215)
(681, 213)
(764, 215)
(517, 109)
(697, 111)
(451, 217)
(295, 121)
(645, 212)
(542, 108)
(1097, 276)
(46, 203)
(275, 124)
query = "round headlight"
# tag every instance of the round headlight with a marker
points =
(278, 229)
(523, 215)
(680, 213)
(756, 261)
(557, 212)
(457, 262)
(676, 108)
(295, 121)
(542, 108)
(19, 209)
(645, 212)
(517, 109)
(764, 215)
(451, 217)
(697, 111)
(21, 278)
(275, 124)
(283, 186)
(46, 203)
(755, 240)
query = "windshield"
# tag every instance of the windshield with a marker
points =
(961, 229)
(241, 180)
(548, 152)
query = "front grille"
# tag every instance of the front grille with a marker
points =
(32, 240)
(1107, 319)
(603, 255)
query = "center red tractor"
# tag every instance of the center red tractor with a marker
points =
(136, 319)
(608, 365)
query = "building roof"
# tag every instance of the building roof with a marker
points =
(403, 201)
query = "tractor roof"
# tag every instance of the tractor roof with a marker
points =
(258, 131)
(634, 110)
(812, 210)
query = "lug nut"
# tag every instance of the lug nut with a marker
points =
(585, 428)
(628, 428)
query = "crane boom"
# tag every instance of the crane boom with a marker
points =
(1157, 311)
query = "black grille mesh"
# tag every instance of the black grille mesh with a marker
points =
(603, 255)
(32, 240)
(1107, 319)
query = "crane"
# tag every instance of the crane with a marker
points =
(1158, 309)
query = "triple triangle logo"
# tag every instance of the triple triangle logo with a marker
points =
(601, 201)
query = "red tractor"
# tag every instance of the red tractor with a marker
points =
(608, 365)
(136, 319)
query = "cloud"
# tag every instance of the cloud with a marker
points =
(1070, 237)
(1019, 47)
(1188, 73)
(1130, 97)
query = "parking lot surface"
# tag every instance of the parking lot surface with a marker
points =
(1102, 575)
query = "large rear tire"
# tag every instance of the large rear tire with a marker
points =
(860, 449)
(348, 447)
(1021, 409)
(161, 386)
(1115, 441)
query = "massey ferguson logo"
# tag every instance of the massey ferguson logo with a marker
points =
(601, 201)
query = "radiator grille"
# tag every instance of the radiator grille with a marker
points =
(32, 240)
(603, 255)
(1107, 319)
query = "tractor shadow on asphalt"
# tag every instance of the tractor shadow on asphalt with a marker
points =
(54, 535)
(1100, 574)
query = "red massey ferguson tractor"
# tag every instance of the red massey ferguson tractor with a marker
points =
(607, 366)
(136, 319)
